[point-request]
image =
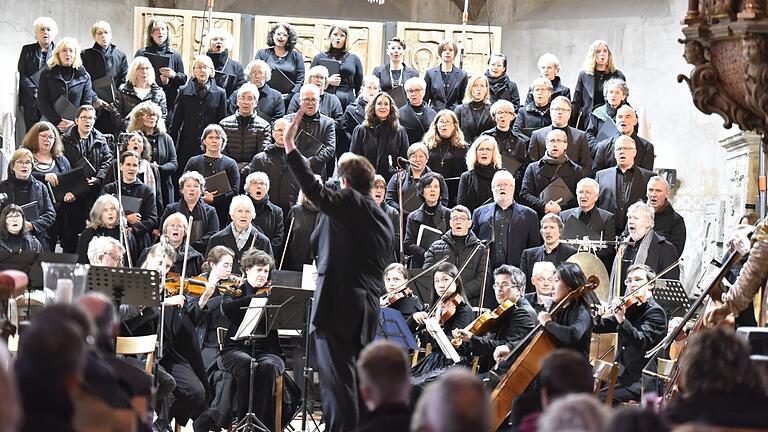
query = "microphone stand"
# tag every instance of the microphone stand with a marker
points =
(121, 214)
(400, 173)
(464, 19)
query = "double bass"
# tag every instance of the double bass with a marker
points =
(532, 349)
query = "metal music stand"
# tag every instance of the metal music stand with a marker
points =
(125, 285)
(672, 297)
(392, 327)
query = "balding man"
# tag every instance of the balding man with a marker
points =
(543, 279)
(667, 222)
(578, 147)
(626, 122)
(601, 222)
(385, 387)
(541, 174)
(316, 138)
(624, 184)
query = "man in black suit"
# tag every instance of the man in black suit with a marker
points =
(551, 250)
(600, 222)
(317, 132)
(667, 222)
(349, 275)
(624, 184)
(578, 147)
(626, 122)
(416, 116)
(543, 279)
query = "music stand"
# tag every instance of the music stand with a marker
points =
(29, 263)
(672, 297)
(126, 285)
(392, 327)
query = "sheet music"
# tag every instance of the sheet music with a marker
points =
(309, 277)
(434, 329)
(252, 317)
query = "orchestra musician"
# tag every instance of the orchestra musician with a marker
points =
(542, 278)
(406, 303)
(641, 324)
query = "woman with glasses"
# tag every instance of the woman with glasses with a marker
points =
(284, 60)
(483, 160)
(140, 87)
(147, 118)
(447, 149)
(14, 235)
(418, 155)
(104, 221)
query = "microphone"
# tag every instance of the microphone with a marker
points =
(392, 168)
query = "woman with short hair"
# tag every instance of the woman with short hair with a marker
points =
(500, 86)
(104, 220)
(395, 72)
(418, 155)
(432, 213)
(483, 160)
(32, 61)
(380, 138)
(345, 84)
(229, 74)
(270, 105)
(147, 173)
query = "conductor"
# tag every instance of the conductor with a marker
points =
(351, 244)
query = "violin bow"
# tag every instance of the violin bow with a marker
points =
(403, 286)
(121, 213)
(463, 266)
(626, 296)
(285, 243)
(186, 256)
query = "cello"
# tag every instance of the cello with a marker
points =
(532, 349)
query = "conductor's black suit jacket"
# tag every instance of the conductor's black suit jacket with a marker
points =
(352, 240)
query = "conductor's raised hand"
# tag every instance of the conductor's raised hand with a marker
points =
(292, 130)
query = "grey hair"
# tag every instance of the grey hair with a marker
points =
(101, 245)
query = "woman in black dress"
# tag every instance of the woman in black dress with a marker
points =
(475, 113)
(14, 236)
(283, 59)
(588, 93)
(345, 84)
(447, 150)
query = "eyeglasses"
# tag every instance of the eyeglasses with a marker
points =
(444, 122)
(322, 77)
(459, 219)
(560, 109)
(503, 185)
(246, 98)
(150, 115)
(23, 162)
(559, 140)
(414, 90)
(309, 100)
(618, 149)
(504, 113)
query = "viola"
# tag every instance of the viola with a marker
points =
(486, 321)
(391, 298)
(196, 285)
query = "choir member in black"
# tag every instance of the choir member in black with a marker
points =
(283, 58)
(172, 77)
(354, 114)
(200, 103)
(535, 115)
(463, 249)
(578, 149)
(346, 84)
(626, 123)
(211, 162)
(648, 247)
(542, 173)
(542, 278)
(416, 116)
(601, 222)
(302, 220)
(271, 106)
(512, 326)
(483, 160)
(315, 130)
(65, 78)
(48, 161)
(395, 72)
(447, 150)
(446, 83)
(549, 68)
(103, 221)
(377, 192)
(640, 325)
(667, 222)
(329, 103)
(229, 72)
(500, 86)
(148, 172)
(624, 184)
(406, 303)
(551, 250)
(475, 113)
(240, 235)
(147, 117)
(449, 294)
(139, 87)
(588, 93)
(236, 354)
(271, 161)
(23, 189)
(411, 174)
(142, 222)
(431, 213)
(103, 57)
(175, 231)
(32, 61)
(512, 146)
(601, 123)
(268, 217)
(14, 235)
(380, 138)
(247, 133)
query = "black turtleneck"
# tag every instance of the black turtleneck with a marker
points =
(219, 59)
(22, 190)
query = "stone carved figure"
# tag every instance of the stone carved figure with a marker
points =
(756, 74)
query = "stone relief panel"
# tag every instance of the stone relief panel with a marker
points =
(186, 29)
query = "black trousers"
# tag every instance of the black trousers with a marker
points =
(338, 382)
(268, 368)
(188, 399)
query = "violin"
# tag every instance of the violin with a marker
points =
(196, 285)
(486, 321)
(631, 300)
(448, 307)
(391, 298)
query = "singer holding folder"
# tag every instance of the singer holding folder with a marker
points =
(350, 275)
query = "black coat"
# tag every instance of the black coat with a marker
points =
(531, 118)
(347, 216)
(148, 209)
(203, 214)
(435, 93)
(269, 220)
(20, 243)
(78, 90)
(474, 119)
(661, 254)
(522, 231)
(283, 188)
(322, 129)
(126, 100)
(380, 144)
(583, 102)
(22, 192)
(351, 71)
(503, 88)
(604, 158)
(164, 154)
(577, 150)
(229, 72)
(511, 328)
(159, 203)
(193, 112)
(458, 252)
(329, 106)
(608, 199)
(382, 72)
(304, 219)
(539, 175)
(416, 125)
(354, 116)
(409, 187)
(415, 220)
(176, 63)
(112, 60)
(558, 89)
(512, 146)
(226, 238)
(270, 104)
(387, 418)
(475, 187)
(531, 256)
(669, 224)
(246, 136)
(572, 327)
(94, 148)
(292, 66)
(32, 61)
(224, 163)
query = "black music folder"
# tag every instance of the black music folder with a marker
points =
(333, 66)
(280, 81)
(411, 201)
(510, 164)
(158, 62)
(64, 108)
(607, 130)
(398, 95)
(71, 181)
(30, 210)
(88, 169)
(225, 81)
(427, 235)
(307, 144)
(218, 183)
(105, 88)
(130, 204)
(576, 229)
(557, 190)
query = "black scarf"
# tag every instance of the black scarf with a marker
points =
(498, 84)
(549, 160)
(337, 53)
(485, 172)
(219, 59)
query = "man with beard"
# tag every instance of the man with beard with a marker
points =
(551, 251)
(626, 122)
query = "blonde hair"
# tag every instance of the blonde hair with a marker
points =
(135, 122)
(502, 103)
(202, 58)
(229, 40)
(472, 152)
(315, 70)
(178, 218)
(66, 42)
(20, 153)
(589, 62)
(471, 82)
(134, 67)
(432, 138)
(100, 25)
